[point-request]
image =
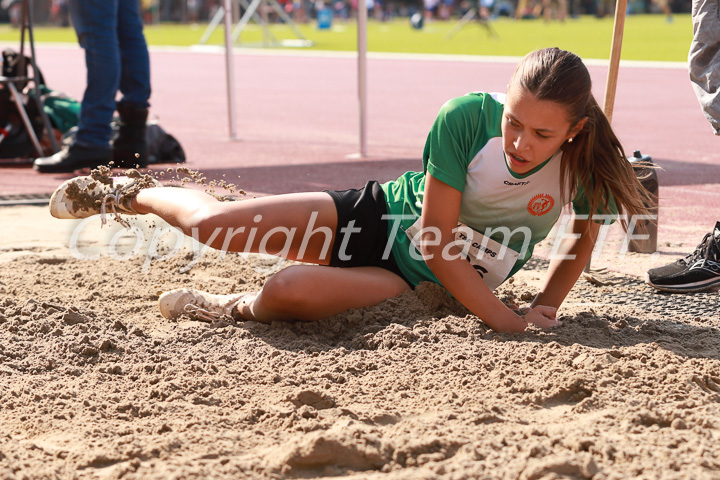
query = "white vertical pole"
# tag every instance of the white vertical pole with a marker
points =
(362, 74)
(229, 69)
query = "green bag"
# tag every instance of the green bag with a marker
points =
(63, 111)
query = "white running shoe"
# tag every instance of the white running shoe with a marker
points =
(83, 197)
(199, 305)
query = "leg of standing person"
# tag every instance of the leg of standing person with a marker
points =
(562, 10)
(546, 10)
(704, 58)
(130, 147)
(699, 270)
(95, 22)
(665, 8)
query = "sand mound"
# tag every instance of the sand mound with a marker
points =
(94, 383)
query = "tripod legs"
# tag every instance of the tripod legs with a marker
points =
(469, 16)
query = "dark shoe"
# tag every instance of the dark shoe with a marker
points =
(130, 146)
(72, 158)
(696, 272)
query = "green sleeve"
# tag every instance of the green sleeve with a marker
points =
(449, 145)
(581, 206)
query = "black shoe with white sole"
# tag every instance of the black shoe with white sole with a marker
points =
(697, 272)
(74, 157)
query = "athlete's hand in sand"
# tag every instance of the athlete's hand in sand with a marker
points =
(542, 316)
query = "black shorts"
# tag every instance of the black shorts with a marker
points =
(365, 208)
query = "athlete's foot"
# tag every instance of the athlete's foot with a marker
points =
(203, 306)
(99, 193)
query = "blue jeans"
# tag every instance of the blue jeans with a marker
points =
(116, 57)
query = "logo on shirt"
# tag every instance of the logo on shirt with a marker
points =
(540, 204)
(517, 183)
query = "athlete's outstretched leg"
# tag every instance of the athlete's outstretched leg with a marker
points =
(299, 226)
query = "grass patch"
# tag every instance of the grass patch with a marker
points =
(647, 37)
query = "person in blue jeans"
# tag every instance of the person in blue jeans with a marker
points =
(116, 57)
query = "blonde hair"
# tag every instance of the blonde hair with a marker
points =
(595, 158)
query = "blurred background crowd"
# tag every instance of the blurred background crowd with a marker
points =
(55, 12)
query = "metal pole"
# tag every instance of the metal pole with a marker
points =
(36, 81)
(219, 15)
(26, 120)
(286, 18)
(470, 15)
(362, 74)
(250, 12)
(229, 69)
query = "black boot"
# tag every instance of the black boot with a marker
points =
(72, 158)
(130, 146)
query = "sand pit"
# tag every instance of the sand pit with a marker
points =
(95, 384)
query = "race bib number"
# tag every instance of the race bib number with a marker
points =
(489, 259)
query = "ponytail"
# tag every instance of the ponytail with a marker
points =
(597, 161)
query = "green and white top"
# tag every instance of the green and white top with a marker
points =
(464, 150)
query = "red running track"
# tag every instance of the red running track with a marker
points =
(298, 121)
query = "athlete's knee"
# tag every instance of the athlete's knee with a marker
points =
(286, 291)
(397, 286)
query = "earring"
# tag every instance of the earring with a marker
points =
(570, 140)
